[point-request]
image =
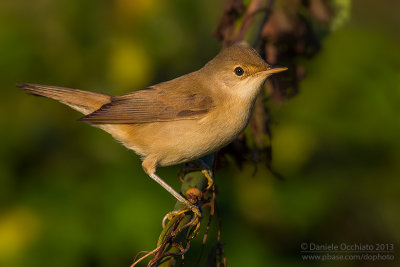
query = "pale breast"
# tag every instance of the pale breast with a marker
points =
(188, 140)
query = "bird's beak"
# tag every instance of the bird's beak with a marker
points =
(274, 69)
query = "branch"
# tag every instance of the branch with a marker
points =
(174, 240)
(193, 187)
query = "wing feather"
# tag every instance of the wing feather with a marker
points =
(151, 105)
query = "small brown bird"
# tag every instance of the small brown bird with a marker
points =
(179, 120)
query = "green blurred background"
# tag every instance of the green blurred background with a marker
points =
(72, 196)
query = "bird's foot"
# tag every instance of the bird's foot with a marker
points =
(173, 215)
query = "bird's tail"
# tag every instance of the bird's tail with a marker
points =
(82, 101)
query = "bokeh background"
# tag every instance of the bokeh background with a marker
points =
(72, 196)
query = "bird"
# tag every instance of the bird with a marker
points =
(180, 120)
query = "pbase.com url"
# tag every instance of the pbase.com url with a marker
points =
(347, 257)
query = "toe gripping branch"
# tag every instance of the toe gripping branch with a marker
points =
(183, 224)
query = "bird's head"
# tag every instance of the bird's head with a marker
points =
(240, 70)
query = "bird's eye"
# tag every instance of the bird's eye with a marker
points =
(239, 71)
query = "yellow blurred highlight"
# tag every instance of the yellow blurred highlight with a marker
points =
(343, 13)
(18, 229)
(293, 145)
(130, 66)
(128, 10)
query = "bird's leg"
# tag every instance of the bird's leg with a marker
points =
(178, 196)
(149, 165)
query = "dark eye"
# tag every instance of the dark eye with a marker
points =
(239, 71)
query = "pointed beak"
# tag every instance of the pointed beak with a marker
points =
(274, 69)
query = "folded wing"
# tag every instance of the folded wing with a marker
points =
(151, 105)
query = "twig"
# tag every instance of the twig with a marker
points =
(145, 256)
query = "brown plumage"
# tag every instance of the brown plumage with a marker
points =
(152, 104)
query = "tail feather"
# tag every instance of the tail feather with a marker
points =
(83, 101)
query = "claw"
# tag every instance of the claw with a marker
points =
(206, 171)
(171, 215)
(209, 176)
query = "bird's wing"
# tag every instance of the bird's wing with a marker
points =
(151, 105)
